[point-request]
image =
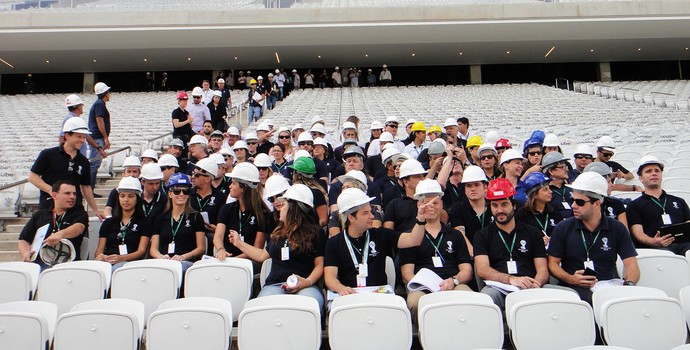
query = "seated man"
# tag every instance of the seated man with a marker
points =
(583, 249)
(64, 220)
(656, 208)
(443, 250)
(496, 256)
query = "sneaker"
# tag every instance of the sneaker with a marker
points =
(96, 195)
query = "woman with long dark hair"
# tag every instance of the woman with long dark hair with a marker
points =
(537, 211)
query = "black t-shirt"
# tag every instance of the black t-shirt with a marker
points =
(185, 236)
(528, 246)
(299, 263)
(561, 195)
(647, 210)
(451, 248)
(393, 192)
(54, 164)
(453, 194)
(615, 166)
(462, 214)
(245, 223)
(184, 132)
(402, 212)
(612, 207)
(155, 207)
(210, 204)
(218, 112)
(265, 147)
(45, 216)
(544, 222)
(116, 234)
(98, 108)
(381, 241)
(373, 164)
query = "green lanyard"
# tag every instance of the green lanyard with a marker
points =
(174, 230)
(201, 207)
(438, 244)
(512, 245)
(584, 243)
(481, 218)
(148, 208)
(663, 207)
(124, 229)
(58, 222)
(543, 226)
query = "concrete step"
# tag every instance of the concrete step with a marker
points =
(8, 236)
(17, 221)
(16, 228)
(10, 256)
(8, 245)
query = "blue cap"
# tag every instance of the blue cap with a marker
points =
(534, 180)
(179, 179)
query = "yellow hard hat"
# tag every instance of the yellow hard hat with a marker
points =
(253, 81)
(435, 128)
(418, 126)
(474, 141)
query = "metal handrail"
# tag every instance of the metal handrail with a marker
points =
(23, 181)
(148, 142)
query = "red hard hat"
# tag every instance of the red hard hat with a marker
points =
(182, 95)
(504, 143)
(500, 189)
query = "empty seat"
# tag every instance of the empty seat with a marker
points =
(19, 279)
(671, 184)
(289, 322)
(27, 325)
(230, 279)
(677, 171)
(445, 317)
(669, 273)
(68, 284)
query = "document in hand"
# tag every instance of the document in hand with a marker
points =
(502, 287)
(256, 97)
(385, 289)
(425, 279)
(38, 240)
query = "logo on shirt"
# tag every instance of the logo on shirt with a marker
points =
(450, 247)
(553, 223)
(79, 170)
(372, 249)
(605, 247)
(611, 214)
(675, 205)
(252, 220)
(134, 228)
(213, 201)
(523, 246)
(187, 224)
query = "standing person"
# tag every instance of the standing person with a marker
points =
(225, 98)
(75, 106)
(150, 82)
(309, 80)
(273, 92)
(99, 126)
(323, 79)
(165, 86)
(248, 78)
(280, 79)
(206, 93)
(371, 78)
(64, 162)
(296, 81)
(198, 111)
(336, 78)
(218, 112)
(178, 233)
(182, 123)
(385, 76)
(125, 236)
(296, 248)
(255, 98)
(241, 81)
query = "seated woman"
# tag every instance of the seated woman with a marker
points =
(537, 211)
(178, 233)
(125, 236)
(296, 248)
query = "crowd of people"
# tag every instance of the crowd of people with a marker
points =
(332, 207)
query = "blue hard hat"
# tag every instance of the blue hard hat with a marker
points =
(179, 179)
(531, 142)
(534, 181)
(538, 135)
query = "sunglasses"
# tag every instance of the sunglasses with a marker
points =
(164, 168)
(251, 143)
(394, 126)
(179, 191)
(200, 174)
(262, 168)
(274, 198)
(226, 157)
(502, 148)
(580, 156)
(582, 202)
(284, 137)
(197, 97)
(308, 143)
(491, 156)
(606, 155)
(536, 153)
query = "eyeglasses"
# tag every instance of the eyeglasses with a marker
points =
(226, 157)
(581, 156)
(490, 156)
(70, 167)
(582, 202)
(561, 166)
(195, 174)
(606, 155)
(308, 143)
(179, 191)
(284, 137)
(535, 153)
(251, 143)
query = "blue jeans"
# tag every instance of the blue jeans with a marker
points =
(96, 163)
(271, 101)
(313, 291)
(281, 94)
(254, 113)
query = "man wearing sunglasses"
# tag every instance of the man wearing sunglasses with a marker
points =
(582, 158)
(204, 199)
(583, 249)
(198, 111)
(391, 126)
(605, 151)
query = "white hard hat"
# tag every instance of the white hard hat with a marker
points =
(239, 144)
(317, 119)
(606, 143)
(510, 154)
(263, 127)
(259, 78)
(269, 122)
(492, 136)
(218, 158)
(100, 88)
(275, 185)
(234, 131)
(349, 125)
(320, 141)
(294, 70)
(487, 147)
(450, 122)
(251, 136)
(583, 149)
(591, 183)
(277, 70)
(354, 175)
(176, 143)
(304, 137)
(226, 152)
(297, 126)
(245, 173)
(73, 100)
(375, 125)
(262, 160)
(411, 167)
(302, 153)
(427, 187)
(649, 160)
(410, 121)
(300, 193)
(197, 91)
(217, 93)
(337, 68)
(385, 66)
(149, 153)
(209, 166)
(77, 125)
(388, 153)
(168, 160)
(318, 128)
(132, 161)
(129, 183)
(551, 140)
(151, 171)
(386, 137)
(270, 75)
(221, 81)
(63, 252)
(198, 140)
(351, 199)
(474, 173)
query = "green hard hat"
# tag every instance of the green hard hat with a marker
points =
(304, 165)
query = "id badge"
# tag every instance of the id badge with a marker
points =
(285, 253)
(666, 218)
(512, 267)
(361, 281)
(242, 238)
(123, 249)
(589, 264)
(363, 270)
(566, 205)
(437, 261)
(171, 248)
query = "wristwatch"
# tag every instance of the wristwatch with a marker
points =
(628, 283)
(456, 282)
(420, 222)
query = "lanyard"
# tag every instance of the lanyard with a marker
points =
(148, 208)
(663, 207)
(201, 207)
(481, 218)
(364, 255)
(123, 230)
(543, 226)
(455, 190)
(512, 245)
(584, 243)
(438, 244)
(174, 230)
(562, 193)
(57, 222)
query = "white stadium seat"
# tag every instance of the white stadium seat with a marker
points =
(20, 280)
(71, 283)
(230, 279)
(669, 273)
(27, 325)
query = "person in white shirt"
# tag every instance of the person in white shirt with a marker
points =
(419, 142)
(385, 76)
(336, 77)
(198, 111)
(206, 92)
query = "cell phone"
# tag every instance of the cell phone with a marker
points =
(589, 272)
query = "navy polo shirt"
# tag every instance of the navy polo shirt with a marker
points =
(233, 218)
(54, 164)
(98, 109)
(560, 195)
(613, 240)
(451, 248)
(44, 216)
(462, 214)
(612, 207)
(529, 245)
(300, 262)
(184, 238)
(545, 222)
(115, 234)
(402, 212)
(210, 204)
(646, 212)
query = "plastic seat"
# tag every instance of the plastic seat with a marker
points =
(677, 171)
(669, 273)
(230, 279)
(447, 316)
(265, 271)
(671, 184)
(379, 321)
(626, 195)
(68, 284)
(288, 322)
(535, 294)
(600, 347)
(190, 323)
(27, 325)
(682, 347)
(684, 297)
(101, 324)
(148, 281)
(20, 280)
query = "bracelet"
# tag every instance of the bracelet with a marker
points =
(99, 147)
(310, 282)
(420, 222)
(634, 188)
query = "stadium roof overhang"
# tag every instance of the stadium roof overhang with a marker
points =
(460, 35)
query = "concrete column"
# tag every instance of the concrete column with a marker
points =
(604, 72)
(476, 75)
(89, 82)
